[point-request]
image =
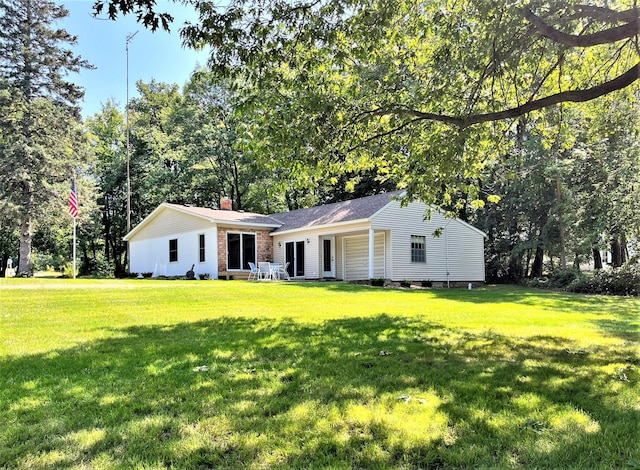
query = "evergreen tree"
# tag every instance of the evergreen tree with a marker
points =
(41, 140)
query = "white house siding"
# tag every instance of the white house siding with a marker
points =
(460, 247)
(356, 261)
(169, 222)
(464, 248)
(152, 255)
(149, 248)
(312, 250)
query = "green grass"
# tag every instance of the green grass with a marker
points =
(178, 374)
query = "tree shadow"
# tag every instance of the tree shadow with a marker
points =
(243, 392)
(625, 326)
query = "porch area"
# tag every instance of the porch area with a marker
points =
(351, 255)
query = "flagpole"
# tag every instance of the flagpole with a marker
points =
(73, 210)
(74, 247)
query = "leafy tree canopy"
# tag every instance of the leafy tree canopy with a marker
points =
(41, 140)
(423, 93)
(491, 60)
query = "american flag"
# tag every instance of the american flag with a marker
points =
(73, 200)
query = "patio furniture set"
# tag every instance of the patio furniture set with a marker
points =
(266, 271)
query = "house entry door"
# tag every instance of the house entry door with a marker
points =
(329, 257)
(294, 255)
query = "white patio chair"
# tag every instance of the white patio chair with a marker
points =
(283, 273)
(273, 269)
(253, 274)
(264, 270)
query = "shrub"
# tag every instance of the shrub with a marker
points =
(46, 262)
(405, 283)
(562, 278)
(67, 270)
(537, 282)
(618, 281)
(102, 268)
(204, 276)
(559, 279)
(377, 282)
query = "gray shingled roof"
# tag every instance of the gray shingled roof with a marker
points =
(347, 211)
(219, 215)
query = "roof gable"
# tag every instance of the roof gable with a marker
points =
(213, 216)
(361, 209)
(222, 216)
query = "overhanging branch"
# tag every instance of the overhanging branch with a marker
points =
(607, 36)
(574, 96)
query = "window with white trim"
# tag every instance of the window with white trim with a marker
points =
(201, 248)
(241, 250)
(418, 249)
(173, 250)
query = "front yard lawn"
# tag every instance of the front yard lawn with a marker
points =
(233, 374)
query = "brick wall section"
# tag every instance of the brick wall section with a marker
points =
(265, 245)
(264, 241)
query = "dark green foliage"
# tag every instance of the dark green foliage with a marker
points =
(349, 86)
(563, 277)
(617, 281)
(559, 279)
(41, 141)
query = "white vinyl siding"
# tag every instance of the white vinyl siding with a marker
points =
(313, 249)
(152, 255)
(168, 223)
(459, 250)
(357, 257)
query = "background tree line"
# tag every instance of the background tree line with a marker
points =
(327, 101)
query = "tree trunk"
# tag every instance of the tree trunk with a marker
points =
(563, 255)
(527, 263)
(236, 187)
(616, 253)
(624, 250)
(26, 238)
(536, 269)
(576, 262)
(107, 229)
(515, 268)
(597, 259)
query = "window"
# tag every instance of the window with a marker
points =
(203, 257)
(173, 250)
(241, 250)
(418, 249)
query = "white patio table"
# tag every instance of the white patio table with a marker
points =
(274, 271)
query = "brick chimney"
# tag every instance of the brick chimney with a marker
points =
(226, 204)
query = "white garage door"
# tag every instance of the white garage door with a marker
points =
(357, 257)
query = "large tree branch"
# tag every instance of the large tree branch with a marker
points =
(607, 36)
(575, 96)
(606, 14)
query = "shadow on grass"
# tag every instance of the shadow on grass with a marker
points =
(378, 392)
(626, 324)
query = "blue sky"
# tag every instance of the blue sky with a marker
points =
(158, 55)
